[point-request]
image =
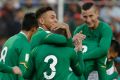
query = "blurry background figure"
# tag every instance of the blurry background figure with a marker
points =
(28, 6)
(19, 15)
(8, 12)
(110, 13)
(72, 15)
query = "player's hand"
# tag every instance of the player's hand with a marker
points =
(62, 26)
(16, 70)
(77, 39)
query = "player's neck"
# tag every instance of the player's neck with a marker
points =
(96, 25)
(27, 34)
(45, 28)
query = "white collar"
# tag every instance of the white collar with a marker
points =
(23, 34)
(41, 28)
(45, 30)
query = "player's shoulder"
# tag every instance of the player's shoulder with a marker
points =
(70, 50)
(13, 38)
(104, 25)
(79, 28)
(105, 28)
(40, 47)
(40, 32)
(21, 40)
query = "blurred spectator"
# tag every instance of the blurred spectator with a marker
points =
(77, 18)
(3, 26)
(71, 9)
(27, 6)
(18, 19)
(74, 22)
(8, 12)
(72, 15)
(111, 14)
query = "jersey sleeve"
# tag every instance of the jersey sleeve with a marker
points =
(78, 29)
(30, 66)
(77, 63)
(103, 46)
(6, 69)
(23, 59)
(47, 37)
(70, 42)
(53, 38)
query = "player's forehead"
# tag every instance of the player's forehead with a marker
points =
(89, 11)
(50, 13)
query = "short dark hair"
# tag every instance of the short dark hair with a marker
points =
(29, 21)
(115, 46)
(42, 10)
(87, 5)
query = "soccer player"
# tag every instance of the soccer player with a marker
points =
(112, 54)
(47, 21)
(16, 49)
(6, 69)
(52, 62)
(97, 41)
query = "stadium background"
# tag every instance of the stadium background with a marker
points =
(12, 12)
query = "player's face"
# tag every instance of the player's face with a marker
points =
(50, 19)
(90, 17)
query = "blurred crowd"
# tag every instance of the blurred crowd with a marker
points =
(12, 13)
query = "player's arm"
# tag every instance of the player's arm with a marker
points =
(47, 37)
(77, 63)
(103, 46)
(23, 59)
(30, 66)
(53, 38)
(7, 69)
(78, 29)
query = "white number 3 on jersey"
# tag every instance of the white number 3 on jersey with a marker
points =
(52, 66)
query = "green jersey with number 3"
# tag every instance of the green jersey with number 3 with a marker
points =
(15, 52)
(49, 62)
(95, 47)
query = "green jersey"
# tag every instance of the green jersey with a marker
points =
(15, 52)
(49, 62)
(42, 36)
(95, 46)
(5, 69)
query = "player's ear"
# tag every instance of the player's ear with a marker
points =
(41, 20)
(96, 12)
